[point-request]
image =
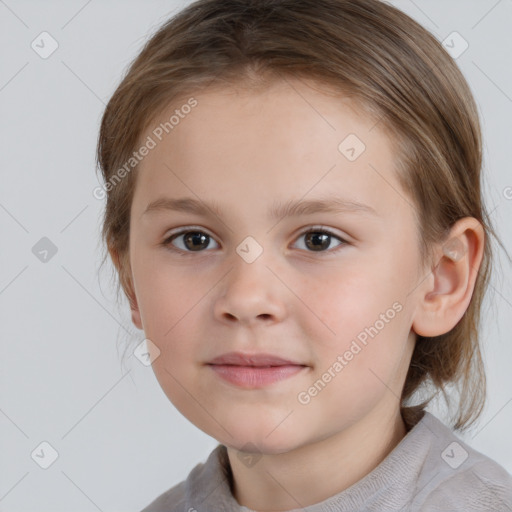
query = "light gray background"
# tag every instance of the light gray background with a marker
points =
(119, 440)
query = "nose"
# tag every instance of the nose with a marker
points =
(251, 294)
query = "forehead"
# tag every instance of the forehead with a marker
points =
(283, 141)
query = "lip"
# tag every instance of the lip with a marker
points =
(241, 359)
(251, 371)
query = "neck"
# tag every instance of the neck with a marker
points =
(317, 471)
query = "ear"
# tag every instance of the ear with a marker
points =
(124, 272)
(445, 295)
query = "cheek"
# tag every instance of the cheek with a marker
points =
(173, 308)
(339, 303)
(165, 298)
(357, 309)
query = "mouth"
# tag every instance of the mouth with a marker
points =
(251, 371)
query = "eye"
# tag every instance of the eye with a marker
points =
(192, 241)
(316, 239)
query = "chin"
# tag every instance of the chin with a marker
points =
(259, 441)
(262, 448)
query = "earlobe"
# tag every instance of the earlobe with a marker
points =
(135, 314)
(124, 273)
(134, 306)
(446, 295)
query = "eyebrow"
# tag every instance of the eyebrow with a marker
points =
(278, 210)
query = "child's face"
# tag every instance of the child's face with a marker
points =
(246, 152)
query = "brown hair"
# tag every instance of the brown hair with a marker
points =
(372, 53)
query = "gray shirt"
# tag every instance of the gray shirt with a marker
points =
(431, 469)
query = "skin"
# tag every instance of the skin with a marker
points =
(245, 150)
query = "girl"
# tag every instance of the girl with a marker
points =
(294, 209)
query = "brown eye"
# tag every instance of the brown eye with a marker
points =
(319, 240)
(195, 240)
(187, 241)
(192, 241)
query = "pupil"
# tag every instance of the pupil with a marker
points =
(194, 236)
(317, 236)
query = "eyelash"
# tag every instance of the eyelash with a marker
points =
(168, 245)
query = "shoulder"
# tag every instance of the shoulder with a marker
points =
(207, 480)
(462, 478)
(172, 500)
(483, 486)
